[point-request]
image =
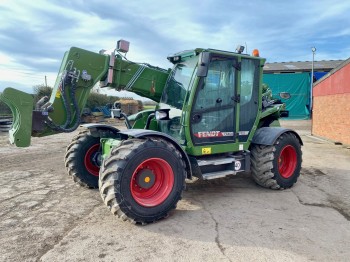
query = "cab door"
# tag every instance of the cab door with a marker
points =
(213, 112)
(249, 97)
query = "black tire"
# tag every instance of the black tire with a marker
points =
(277, 166)
(80, 159)
(122, 175)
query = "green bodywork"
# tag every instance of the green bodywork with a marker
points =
(159, 85)
(140, 79)
(21, 105)
(236, 146)
(149, 84)
(95, 65)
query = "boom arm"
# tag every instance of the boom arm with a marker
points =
(79, 72)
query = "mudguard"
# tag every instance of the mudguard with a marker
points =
(268, 135)
(142, 133)
(95, 129)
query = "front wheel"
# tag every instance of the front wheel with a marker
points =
(82, 159)
(142, 179)
(277, 166)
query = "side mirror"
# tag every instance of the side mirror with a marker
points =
(284, 113)
(203, 63)
(285, 95)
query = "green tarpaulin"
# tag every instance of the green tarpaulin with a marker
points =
(298, 86)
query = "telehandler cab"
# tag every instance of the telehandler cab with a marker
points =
(212, 120)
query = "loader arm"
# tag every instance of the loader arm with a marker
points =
(80, 71)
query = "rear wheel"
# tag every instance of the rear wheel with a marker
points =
(142, 180)
(277, 166)
(82, 159)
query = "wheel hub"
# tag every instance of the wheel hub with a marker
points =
(287, 161)
(152, 182)
(145, 178)
(97, 159)
(92, 160)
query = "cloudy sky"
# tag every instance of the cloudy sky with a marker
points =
(35, 34)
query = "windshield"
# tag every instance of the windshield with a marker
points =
(178, 83)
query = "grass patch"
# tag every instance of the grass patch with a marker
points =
(149, 107)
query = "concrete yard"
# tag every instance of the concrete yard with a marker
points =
(44, 216)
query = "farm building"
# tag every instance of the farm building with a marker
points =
(294, 78)
(331, 105)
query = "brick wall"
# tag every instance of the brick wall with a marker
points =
(331, 106)
(331, 117)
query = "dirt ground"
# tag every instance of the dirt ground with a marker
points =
(44, 216)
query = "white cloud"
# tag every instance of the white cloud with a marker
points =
(35, 34)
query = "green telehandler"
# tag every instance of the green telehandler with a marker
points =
(212, 120)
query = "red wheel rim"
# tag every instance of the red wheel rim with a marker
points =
(287, 161)
(152, 182)
(90, 165)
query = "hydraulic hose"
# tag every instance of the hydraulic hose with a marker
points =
(149, 118)
(67, 108)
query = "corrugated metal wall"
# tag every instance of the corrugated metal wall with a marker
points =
(298, 86)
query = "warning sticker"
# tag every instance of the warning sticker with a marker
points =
(206, 150)
(237, 165)
(58, 94)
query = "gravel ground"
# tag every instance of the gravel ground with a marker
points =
(44, 216)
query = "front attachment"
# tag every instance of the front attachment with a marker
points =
(21, 105)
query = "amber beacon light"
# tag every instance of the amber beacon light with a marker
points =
(255, 53)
